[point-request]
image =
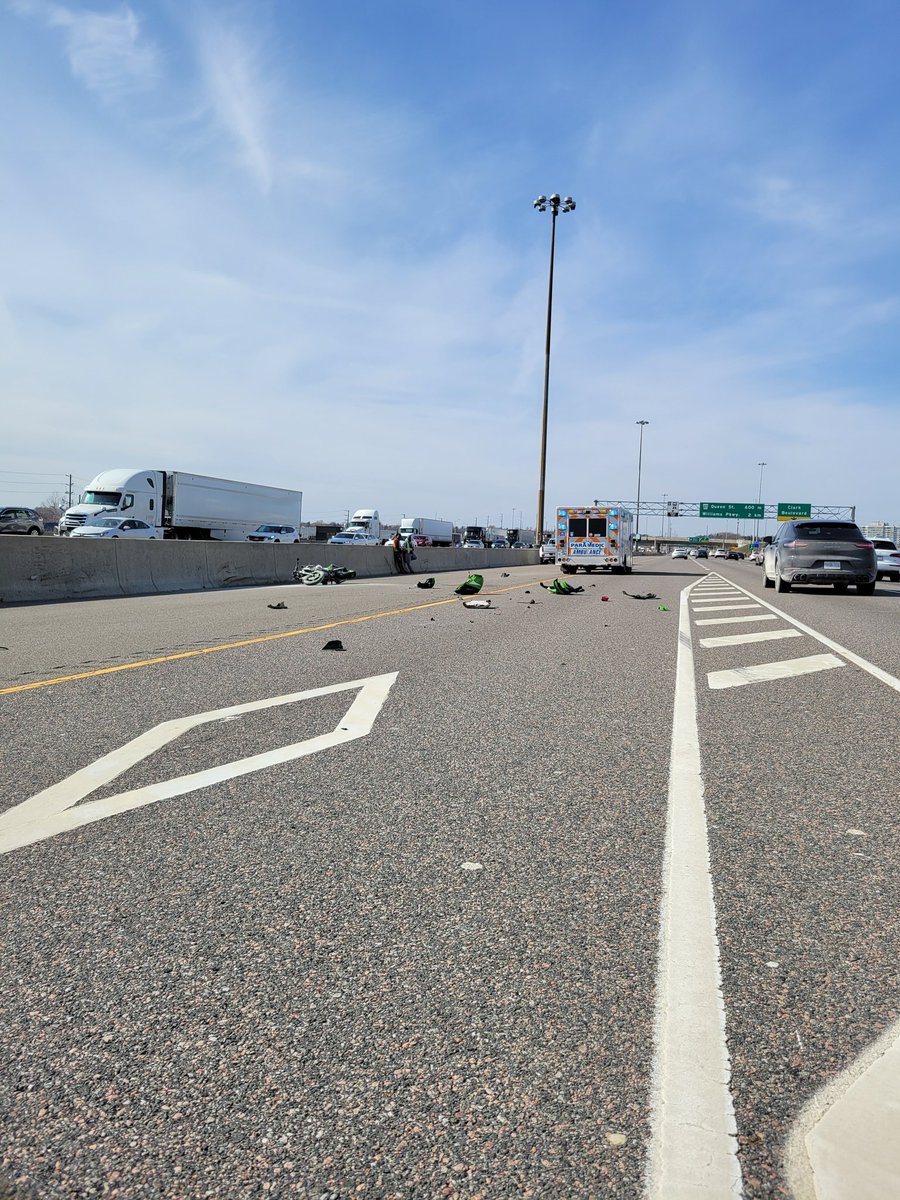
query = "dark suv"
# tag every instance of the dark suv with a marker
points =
(820, 552)
(20, 520)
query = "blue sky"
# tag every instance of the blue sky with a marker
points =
(294, 243)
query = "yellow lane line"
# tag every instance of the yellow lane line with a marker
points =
(268, 637)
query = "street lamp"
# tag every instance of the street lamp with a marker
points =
(541, 204)
(637, 516)
(759, 497)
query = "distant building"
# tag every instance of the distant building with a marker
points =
(881, 529)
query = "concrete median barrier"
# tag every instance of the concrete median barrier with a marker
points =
(53, 568)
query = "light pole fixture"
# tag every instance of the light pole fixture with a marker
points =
(555, 205)
(637, 515)
(759, 497)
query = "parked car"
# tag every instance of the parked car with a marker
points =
(274, 533)
(21, 520)
(680, 552)
(888, 559)
(829, 552)
(735, 554)
(117, 527)
(547, 552)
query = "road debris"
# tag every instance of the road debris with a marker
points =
(641, 595)
(280, 604)
(560, 587)
(471, 587)
(426, 583)
(334, 644)
(476, 603)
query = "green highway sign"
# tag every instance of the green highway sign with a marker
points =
(736, 512)
(787, 512)
(702, 538)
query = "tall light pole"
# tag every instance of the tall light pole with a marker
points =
(541, 204)
(759, 497)
(637, 516)
(662, 520)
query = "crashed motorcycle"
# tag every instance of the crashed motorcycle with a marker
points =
(313, 573)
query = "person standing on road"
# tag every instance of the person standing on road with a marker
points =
(397, 543)
(408, 547)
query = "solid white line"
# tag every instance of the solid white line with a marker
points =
(785, 669)
(57, 808)
(735, 620)
(744, 639)
(693, 1146)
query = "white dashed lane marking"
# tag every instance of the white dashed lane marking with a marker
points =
(744, 639)
(735, 620)
(790, 667)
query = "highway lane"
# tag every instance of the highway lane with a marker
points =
(289, 979)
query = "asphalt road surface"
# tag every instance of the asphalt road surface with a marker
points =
(472, 926)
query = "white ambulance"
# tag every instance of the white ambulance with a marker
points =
(595, 538)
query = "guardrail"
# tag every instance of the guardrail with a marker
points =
(34, 570)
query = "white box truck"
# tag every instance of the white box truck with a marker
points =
(594, 538)
(183, 505)
(439, 533)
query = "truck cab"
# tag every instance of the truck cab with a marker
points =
(364, 522)
(125, 492)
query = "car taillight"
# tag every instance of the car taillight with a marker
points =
(863, 545)
(794, 545)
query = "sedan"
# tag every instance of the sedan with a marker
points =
(116, 527)
(352, 539)
(681, 552)
(275, 533)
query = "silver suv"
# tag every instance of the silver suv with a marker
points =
(20, 520)
(829, 552)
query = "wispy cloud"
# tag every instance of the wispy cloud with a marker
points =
(107, 51)
(236, 96)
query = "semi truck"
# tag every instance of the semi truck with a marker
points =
(363, 529)
(439, 533)
(184, 505)
(594, 539)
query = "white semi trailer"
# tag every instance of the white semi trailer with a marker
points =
(440, 533)
(183, 505)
